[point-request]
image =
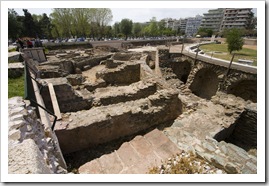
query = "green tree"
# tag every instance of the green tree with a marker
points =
(108, 32)
(45, 26)
(30, 29)
(161, 26)
(126, 27)
(116, 29)
(100, 18)
(81, 21)
(234, 40)
(137, 29)
(14, 25)
(61, 19)
(153, 27)
(205, 32)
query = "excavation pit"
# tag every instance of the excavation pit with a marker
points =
(106, 100)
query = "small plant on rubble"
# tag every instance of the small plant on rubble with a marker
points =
(180, 164)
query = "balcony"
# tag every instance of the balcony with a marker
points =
(233, 24)
(244, 12)
(241, 20)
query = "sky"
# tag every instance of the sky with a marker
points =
(138, 14)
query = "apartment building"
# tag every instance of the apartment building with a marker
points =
(192, 25)
(182, 24)
(236, 18)
(213, 19)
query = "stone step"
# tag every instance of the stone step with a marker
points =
(106, 123)
(134, 157)
(113, 95)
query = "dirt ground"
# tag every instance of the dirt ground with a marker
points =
(90, 74)
(254, 47)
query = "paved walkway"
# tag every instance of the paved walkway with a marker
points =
(135, 156)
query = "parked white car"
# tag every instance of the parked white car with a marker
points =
(44, 40)
(71, 40)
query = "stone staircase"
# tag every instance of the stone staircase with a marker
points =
(134, 157)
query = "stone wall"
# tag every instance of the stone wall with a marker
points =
(89, 62)
(244, 133)
(115, 121)
(113, 95)
(250, 42)
(125, 74)
(31, 150)
(68, 99)
(227, 156)
(15, 70)
(163, 55)
(205, 126)
(67, 45)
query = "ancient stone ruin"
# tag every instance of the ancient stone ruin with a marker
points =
(111, 100)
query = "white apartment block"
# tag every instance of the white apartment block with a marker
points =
(236, 18)
(213, 19)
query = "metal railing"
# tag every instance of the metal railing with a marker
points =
(55, 117)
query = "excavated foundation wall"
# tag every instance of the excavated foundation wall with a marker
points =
(246, 89)
(243, 132)
(123, 75)
(205, 83)
(68, 99)
(111, 122)
(87, 63)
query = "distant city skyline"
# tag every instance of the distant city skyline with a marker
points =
(138, 14)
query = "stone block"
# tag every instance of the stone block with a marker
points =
(218, 161)
(92, 167)
(223, 147)
(198, 148)
(122, 56)
(14, 135)
(231, 168)
(75, 79)
(249, 168)
(111, 163)
(208, 147)
(25, 158)
(15, 70)
(128, 155)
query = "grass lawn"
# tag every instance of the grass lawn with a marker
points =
(16, 87)
(221, 51)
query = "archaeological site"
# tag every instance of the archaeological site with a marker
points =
(138, 108)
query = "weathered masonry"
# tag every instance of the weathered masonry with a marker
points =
(105, 95)
(204, 77)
